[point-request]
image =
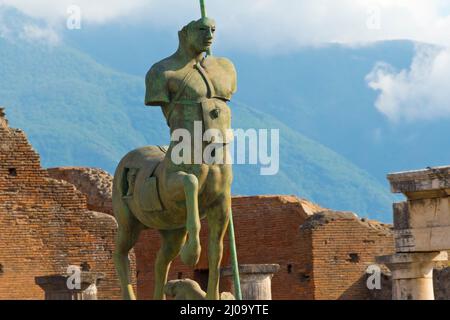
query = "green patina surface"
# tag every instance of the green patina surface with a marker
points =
(151, 190)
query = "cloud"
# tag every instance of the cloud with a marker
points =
(269, 25)
(98, 11)
(4, 31)
(418, 94)
(35, 33)
(274, 26)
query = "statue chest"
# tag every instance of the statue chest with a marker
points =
(193, 84)
(193, 90)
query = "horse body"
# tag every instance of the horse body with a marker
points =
(152, 161)
(185, 197)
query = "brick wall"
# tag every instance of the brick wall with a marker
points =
(343, 246)
(45, 225)
(94, 183)
(325, 258)
(322, 254)
(266, 230)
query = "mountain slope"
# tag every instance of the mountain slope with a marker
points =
(311, 170)
(319, 92)
(77, 112)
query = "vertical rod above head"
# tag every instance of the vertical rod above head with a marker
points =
(203, 11)
(203, 8)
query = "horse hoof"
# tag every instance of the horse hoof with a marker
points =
(190, 255)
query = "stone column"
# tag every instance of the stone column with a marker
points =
(421, 231)
(256, 280)
(56, 288)
(3, 121)
(412, 274)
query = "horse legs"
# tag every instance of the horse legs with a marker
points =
(218, 218)
(172, 241)
(190, 254)
(127, 235)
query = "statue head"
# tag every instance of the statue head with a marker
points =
(198, 35)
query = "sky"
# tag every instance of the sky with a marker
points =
(267, 24)
(418, 93)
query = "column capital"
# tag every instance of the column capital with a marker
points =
(422, 184)
(252, 269)
(256, 280)
(412, 265)
(56, 288)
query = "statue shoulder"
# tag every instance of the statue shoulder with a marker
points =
(157, 92)
(158, 70)
(224, 64)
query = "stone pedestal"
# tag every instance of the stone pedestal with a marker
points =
(412, 274)
(56, 288)
(421, 231)
(256, 280)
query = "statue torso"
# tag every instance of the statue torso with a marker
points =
(189, 93)
(169, 82)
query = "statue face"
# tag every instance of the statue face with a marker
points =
(201, 35)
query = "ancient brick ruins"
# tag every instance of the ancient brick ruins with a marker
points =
(323, 254)
(45, 225)
(48, 221)
(95, 183)
(341, 247)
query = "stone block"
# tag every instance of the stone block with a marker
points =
(420, 184)
(422, 223)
